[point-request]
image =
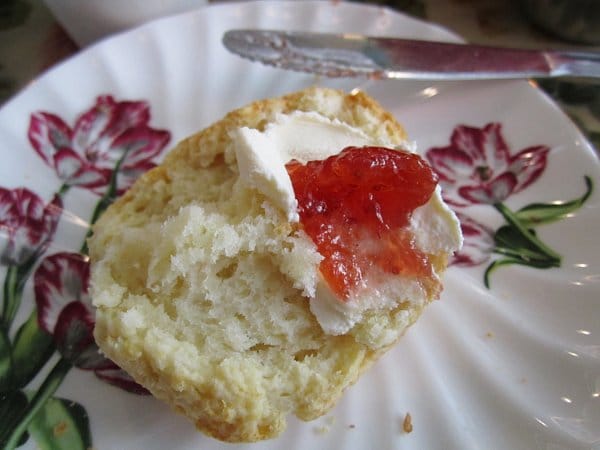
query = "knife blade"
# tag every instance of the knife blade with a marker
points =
(354, 55)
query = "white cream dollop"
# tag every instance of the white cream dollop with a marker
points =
(307, 136)
(303, 136)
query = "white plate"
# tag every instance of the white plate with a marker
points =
(514, 366)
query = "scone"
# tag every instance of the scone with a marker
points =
(213, 294)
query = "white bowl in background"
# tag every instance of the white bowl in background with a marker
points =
(87, 21)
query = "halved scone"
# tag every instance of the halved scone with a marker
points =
(208, 294)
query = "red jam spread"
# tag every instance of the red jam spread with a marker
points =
(356, 207)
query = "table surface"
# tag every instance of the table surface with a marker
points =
(31, 41)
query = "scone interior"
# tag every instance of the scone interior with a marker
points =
(202, 285)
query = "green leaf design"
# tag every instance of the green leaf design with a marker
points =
(538, 264)
(11, 297)
(495, 265)
(33, 347)
(61, 425)
(511, 242)
(6, 365)
(14, 283)
(521, 238)
(518, 241)
(12, 408)
(37, 403)
(544, 213)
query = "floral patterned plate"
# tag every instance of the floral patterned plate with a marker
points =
(508, 358)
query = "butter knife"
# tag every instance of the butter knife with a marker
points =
(352, 55)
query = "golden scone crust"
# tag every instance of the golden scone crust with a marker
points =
(201, 285)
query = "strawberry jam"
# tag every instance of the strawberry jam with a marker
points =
(356, 207)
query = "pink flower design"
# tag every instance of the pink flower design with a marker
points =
(110, 136)
(478, 168)
(27, 225)
(478, 243)
(65, 311)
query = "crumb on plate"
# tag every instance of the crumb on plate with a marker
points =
(407, 425)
